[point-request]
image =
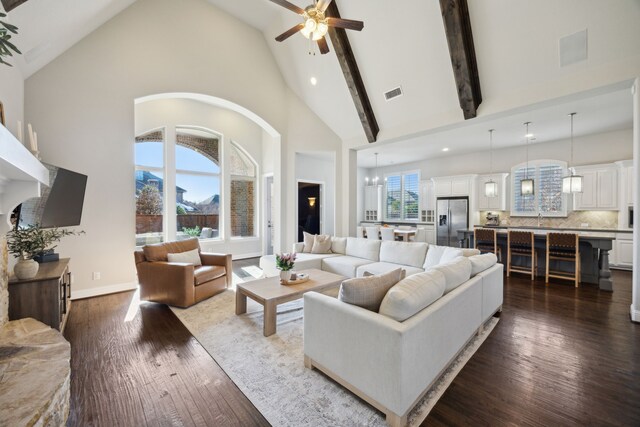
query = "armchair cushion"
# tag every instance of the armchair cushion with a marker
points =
(206, 273)
(191, 257)
(159, 251)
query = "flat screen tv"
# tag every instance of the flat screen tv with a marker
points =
(60, 204)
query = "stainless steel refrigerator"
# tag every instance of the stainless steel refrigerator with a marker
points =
(453, 215)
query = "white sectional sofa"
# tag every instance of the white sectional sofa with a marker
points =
(352, 256)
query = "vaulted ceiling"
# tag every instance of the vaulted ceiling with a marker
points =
(403, 44)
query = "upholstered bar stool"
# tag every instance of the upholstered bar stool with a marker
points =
(486, 240)
(521, 244)
(563, 247)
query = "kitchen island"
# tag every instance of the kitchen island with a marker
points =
(594, 251)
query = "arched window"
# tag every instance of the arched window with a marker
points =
(547, 198)
(243, 173)
(149, 160)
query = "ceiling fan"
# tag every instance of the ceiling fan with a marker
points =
(315, 23)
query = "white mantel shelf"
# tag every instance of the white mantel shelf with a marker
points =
(21, 175)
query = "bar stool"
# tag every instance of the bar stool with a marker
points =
(563, 247)
(522, 244)
(485, 239)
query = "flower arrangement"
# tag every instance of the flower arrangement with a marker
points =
(285, 262)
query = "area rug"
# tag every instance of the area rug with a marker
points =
(271, 373)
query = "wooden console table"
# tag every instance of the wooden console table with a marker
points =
(46, 297)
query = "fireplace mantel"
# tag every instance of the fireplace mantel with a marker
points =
(21, 175)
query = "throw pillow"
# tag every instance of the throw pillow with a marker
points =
(309, 239)
(455, 272)
(339, 245)
(439, 255)
(470, 252)
(480, 263)
(190, 257)
(412, 295)
(322, 244)
(368, 292)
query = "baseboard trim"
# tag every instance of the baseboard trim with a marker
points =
(246, 256)
(103, 290)
(635, 314)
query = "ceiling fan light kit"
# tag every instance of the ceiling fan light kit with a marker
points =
(315, 24)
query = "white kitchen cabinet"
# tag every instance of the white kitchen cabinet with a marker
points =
(442, 187)
(631, 185)
(599, 189)
(624, 250)
(373, 203)
(498, 203)
(460, 186)
(453, 186)
(427, 201)
(430, 233)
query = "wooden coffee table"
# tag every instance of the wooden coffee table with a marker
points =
(270, 293)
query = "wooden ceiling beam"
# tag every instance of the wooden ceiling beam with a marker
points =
(351, 72)
(9, 5)
(457, 26)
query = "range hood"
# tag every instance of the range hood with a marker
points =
(21, 176)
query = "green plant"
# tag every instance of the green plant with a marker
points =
(5, 45)
(285, 262)
(193, 232)
(180, 210)
(27, 242)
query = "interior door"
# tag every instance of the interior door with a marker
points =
(270, 234)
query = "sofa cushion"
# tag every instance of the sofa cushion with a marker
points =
(159, 251)
(363, 248)
(455, 272)
(321, 244)
(384, 267)
(480, 263)
(368, 292)
(413, 294)
(440, 254)
(470, 252)
(207, 273)
(309, 239)
(339, 245)
(404, 253)
(191, 257)
(343, 264)
(303, 262)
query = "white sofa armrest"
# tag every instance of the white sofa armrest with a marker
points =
(297, 247)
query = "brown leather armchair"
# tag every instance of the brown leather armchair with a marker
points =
(177, 283)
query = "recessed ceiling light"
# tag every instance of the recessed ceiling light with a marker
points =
(313, 81)
(445, 149)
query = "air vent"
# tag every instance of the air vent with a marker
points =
(573, 48)
(393, 93)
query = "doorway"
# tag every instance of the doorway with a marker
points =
(309, 208)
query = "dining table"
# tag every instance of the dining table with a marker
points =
(404, 234)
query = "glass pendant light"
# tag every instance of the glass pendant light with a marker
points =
(527, 184)
(491, 187)
(571, 183)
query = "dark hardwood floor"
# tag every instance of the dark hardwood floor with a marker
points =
(558, 356)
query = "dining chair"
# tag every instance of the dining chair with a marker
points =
(360, 232)
(564, 247)
(420, 236)
(372, 233)
(387, 233)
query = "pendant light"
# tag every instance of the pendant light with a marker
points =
(527, 184)
(571, 183)
(491, 187)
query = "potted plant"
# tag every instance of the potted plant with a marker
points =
(285, 263)
(27, 242)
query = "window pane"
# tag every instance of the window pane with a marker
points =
(240, 164)
(523, 203)
(410, 197)
(197, 151)
(242, 208)
(197, 206)
(149, 202)
(149, 154)
(394, 197)
(550, 188)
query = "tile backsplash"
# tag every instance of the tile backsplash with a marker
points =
(595, 219)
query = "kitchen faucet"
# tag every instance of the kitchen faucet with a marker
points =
(539, 219)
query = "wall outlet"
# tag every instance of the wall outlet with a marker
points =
(96, 275)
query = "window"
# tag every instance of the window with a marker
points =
(149, 160)
(197, 184)
(548, 199)
(402, 200)
(243, 172)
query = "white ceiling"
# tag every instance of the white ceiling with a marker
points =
(402, 44)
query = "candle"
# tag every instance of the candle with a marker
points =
(19, 131)
(31, 137)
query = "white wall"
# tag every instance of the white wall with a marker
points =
(82, 103)
(591, 149)
(313, 168)
(12, 97)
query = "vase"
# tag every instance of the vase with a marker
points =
(26, 269)
(285, 275)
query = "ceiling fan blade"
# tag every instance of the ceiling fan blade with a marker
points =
(347, 24)
(323, 4)
(291, 31)
(290, 6)
(322, 44)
